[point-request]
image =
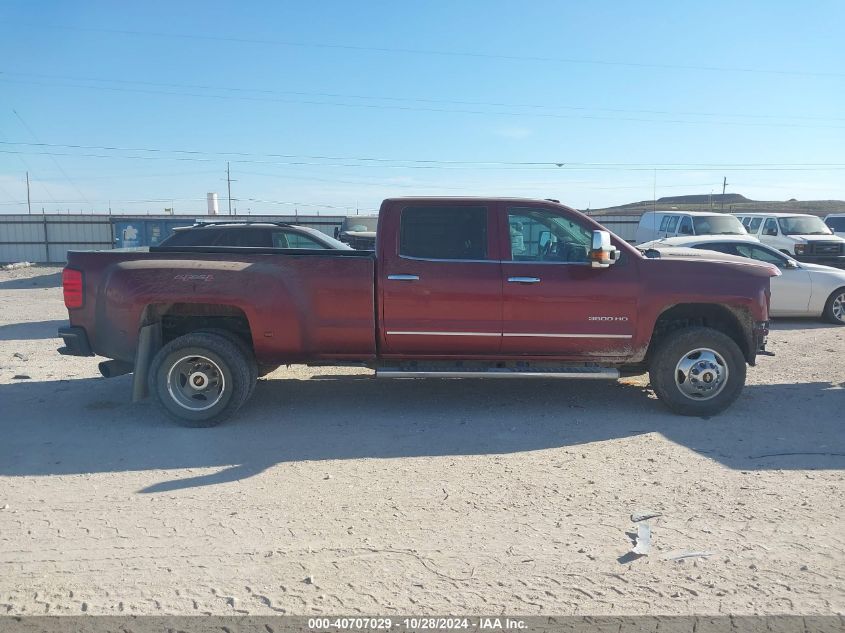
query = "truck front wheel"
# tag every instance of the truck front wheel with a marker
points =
(697, 371)
(200, 379)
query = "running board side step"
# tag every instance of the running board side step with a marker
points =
(600, 373)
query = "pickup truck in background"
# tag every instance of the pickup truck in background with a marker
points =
(358, 231)
(457, 287)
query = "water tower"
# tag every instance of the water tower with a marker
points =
(213, 209)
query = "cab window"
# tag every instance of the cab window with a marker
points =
(291, 239)
(539, 235)
(770, 227)
(685, 227)
(761, 254)
(249, 237)
(672, 225)
(443, 232)
(754, 224)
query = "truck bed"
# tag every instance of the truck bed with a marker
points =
(299, 304)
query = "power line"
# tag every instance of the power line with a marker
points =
(495, 104)
(391, 162)
(406, 108)
(446, 53)
(55, 162)
(28, 169)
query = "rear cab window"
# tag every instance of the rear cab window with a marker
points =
(444, 232)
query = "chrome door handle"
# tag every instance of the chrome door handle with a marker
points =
(524, 280)
(404, 277)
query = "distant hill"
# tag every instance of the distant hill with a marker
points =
(729, 203)
(717, 198)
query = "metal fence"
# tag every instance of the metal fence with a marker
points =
(625, 226)
(47, 238)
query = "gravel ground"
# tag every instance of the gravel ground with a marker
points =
(332, 493)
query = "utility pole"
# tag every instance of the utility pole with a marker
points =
(654, 194)
(724, 184)
(28, 200)
(229, 186)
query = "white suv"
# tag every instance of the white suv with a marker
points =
(805, 237)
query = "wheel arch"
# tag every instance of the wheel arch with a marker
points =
(734, 322)
(163, 322)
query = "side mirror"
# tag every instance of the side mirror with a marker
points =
(791, 263)
(544, 239)
(603, 253)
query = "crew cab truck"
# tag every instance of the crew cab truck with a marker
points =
(457, 287)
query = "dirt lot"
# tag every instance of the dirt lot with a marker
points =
(332, 493)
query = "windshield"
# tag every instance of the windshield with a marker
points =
(718, 225)
(360, 224)
(803, 225)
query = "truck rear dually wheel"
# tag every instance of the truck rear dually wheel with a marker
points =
(697, 371)
(200, 379)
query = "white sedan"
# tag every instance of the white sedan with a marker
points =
(800, 290)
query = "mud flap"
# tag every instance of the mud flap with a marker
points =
(149, 342)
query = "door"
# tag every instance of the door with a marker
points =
(554, 303)
(668, 226)
(791, 291)
(685, 227)
(770, 234)
(441, 285)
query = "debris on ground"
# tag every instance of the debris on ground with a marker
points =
(636, 517)
(23, 357)
(21, 377)
(18, 265)
(643, 544)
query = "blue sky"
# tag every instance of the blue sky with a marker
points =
(449, 98)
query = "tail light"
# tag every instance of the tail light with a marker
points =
(72, 287)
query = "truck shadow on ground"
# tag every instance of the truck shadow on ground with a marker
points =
(48, 280)
(31, 330)
(87, 426)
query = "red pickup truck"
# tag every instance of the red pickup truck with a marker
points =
(457, 287)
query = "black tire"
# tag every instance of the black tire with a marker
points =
(672, 385)
(223, 367)
(835, 305)
(245, 348)
(263, 370)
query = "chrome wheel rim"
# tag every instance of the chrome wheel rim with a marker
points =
(701, 374)
(195, 383)
(838, 308)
